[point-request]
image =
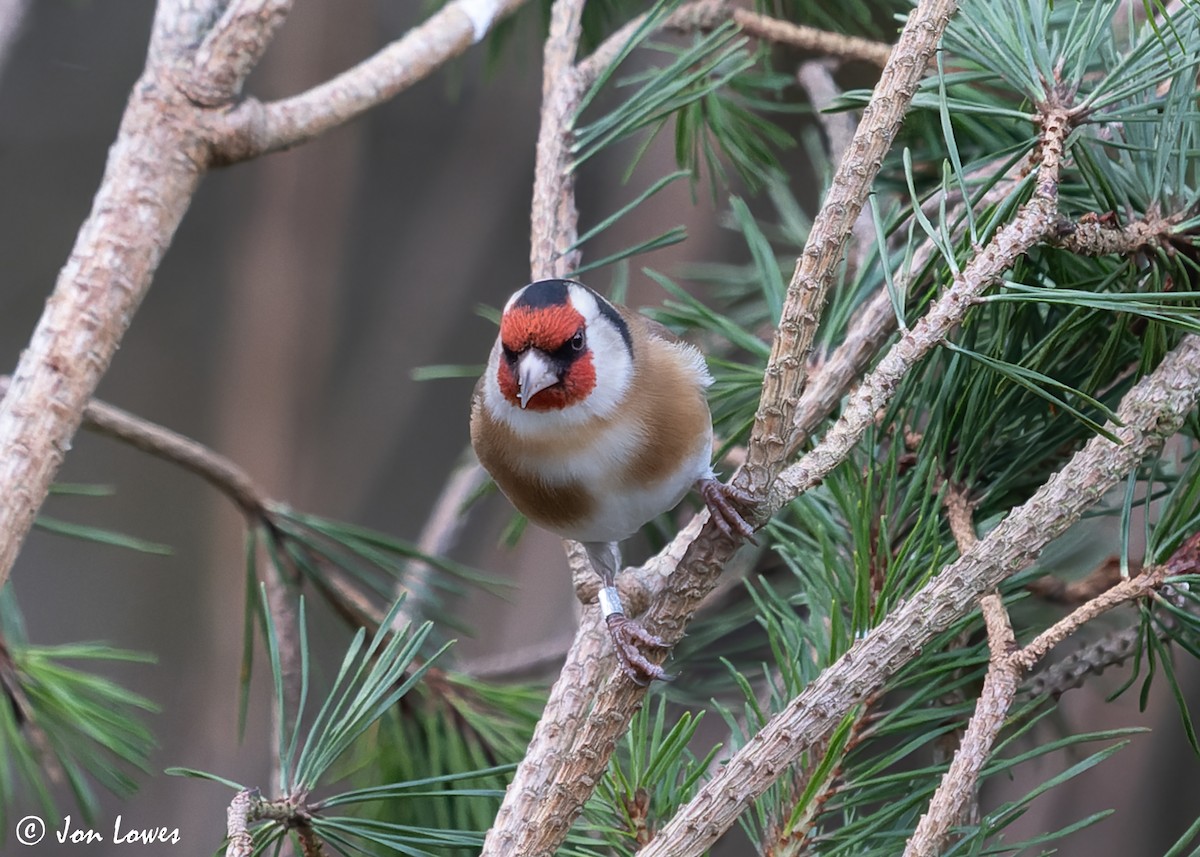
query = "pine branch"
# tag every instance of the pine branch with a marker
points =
(218, 471)
(553, 782)
(1007, 664)
(179, 121)
(254, 128)
(812, 39)
(960, 784)
(1151, 412)
(786, 372)
(554, 228)
(706, 15)
(152, 172)
(1034, 222)
(554, 220)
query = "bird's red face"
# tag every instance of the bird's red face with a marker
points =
(546, 364)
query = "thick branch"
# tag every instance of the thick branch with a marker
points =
(232, 48)
(1152, 411)
(960, 784)
(553, 217)
(786, 372)
(152, 171)
(555, 803)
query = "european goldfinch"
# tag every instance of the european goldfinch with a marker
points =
(592, 420)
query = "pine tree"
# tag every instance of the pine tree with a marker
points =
(985, 332)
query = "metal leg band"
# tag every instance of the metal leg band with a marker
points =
(610, 602)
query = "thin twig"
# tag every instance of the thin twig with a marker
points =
(1097, 236)
(822, 42)
(959, 787)
(254, 128)
(1126, 590)
(222, 473)
(1111, 649)
(705, 15)
(440, 532)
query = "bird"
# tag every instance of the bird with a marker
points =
(592, 420)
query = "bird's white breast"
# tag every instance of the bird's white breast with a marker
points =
(623, 505)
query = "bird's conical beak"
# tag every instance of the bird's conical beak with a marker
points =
(534, 374)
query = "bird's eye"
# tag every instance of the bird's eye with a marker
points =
(577, 341)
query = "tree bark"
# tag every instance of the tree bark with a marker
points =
(152, 171)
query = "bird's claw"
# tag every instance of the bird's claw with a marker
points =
(720, 499)
(627, 637)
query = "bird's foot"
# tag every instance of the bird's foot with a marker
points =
(628, 637)
(720, 499)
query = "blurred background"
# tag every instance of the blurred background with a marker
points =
(299, 295)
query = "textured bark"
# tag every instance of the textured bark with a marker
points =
(821, 42)
(553, 217)
(254, 128)
(551, 793)
(176, 125)
(1151, 412)
(153, 170)
(786, 373)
